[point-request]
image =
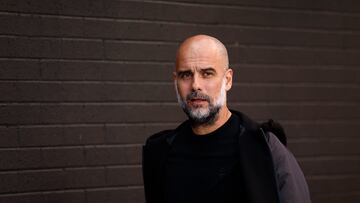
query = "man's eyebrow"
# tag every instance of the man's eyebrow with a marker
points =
(208, 69)
(201, 69)
(183, 71)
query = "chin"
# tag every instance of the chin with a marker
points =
(200, 112)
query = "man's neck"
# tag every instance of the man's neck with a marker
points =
(223, 116)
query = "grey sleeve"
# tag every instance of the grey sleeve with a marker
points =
(291, 181)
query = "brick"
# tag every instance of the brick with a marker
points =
(50, 48)
(65, 196)
(32, 90)
(271, 55)
(12, 182)
(9, 159)
(132, 134)
(330, 165)
(335, 184)
(113, 155)
(60, 136)
(351, 22)
(63, 157)
(84, 135)
(9, 90)
(111, 71)
(23, 198)
(37, 5)
(40, 136)
(41, 180)
(22, 47)
(82, 49)
(25, 24)
(327, 129)
(82, 7)
(282, 37)
(64, 70)
(282, 93)
(105, 71)
(309, 112)
(29, 158)
(325, 147)
(113, 195)
(19, 69)
(85, 177)
(131, 51)
(351, 42)
(157, 31)
(121, 176)
(334, 198)
(349, 5)
(98, 195)
(249, 73)
(8, 137)
(20, 159)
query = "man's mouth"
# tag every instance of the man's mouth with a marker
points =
(197, 101)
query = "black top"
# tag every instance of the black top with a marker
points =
(199, 166)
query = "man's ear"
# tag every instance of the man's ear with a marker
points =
(174, 75)
(228, 77)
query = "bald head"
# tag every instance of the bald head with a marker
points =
(202, 46)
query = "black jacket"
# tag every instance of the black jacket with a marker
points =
(256, 162)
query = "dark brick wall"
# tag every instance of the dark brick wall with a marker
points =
(83, 83)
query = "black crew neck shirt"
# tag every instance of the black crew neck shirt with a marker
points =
(200, 168)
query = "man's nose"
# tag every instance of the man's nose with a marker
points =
(196, 81)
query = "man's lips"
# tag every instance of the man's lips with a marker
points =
(197, 101)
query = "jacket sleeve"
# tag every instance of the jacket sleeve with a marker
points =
(152, 160)
(146, 174)
(148, 164)
(290, 178)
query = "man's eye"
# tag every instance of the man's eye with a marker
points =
(185, 75)
(207, 74)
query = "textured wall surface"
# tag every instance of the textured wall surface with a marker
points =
(83, 83)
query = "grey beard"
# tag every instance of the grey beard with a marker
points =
(209, 119)
(195, 118)
(211, 116)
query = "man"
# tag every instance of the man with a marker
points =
(217, 155)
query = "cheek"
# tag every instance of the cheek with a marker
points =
(212, 88)
(183, 88)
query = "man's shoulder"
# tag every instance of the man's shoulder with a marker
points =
(165, 135)
(246, 121)
(159, 136)
(156, 144)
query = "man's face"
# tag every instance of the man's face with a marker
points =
(201, 81)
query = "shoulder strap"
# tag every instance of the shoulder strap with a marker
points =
(275, 128)
(256, 163)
